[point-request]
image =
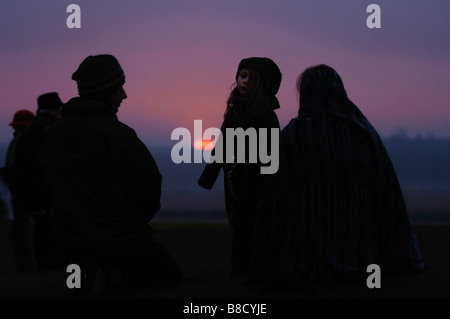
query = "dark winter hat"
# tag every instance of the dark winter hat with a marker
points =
(22, 118)
(98, 73)
(49, 101)
(268, 70)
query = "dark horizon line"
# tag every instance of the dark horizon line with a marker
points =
(400, 134)
(394, 136)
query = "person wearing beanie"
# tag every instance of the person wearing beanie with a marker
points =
(335, 205)
(31, 188)
(22, 223)
(101, 78)
(251, 104)
(105, 186)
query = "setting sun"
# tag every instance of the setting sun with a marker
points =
(203, 144)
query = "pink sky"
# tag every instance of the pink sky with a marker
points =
(180, 57)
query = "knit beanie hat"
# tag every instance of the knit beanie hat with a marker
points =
(269, 72)
(49, 101)
(98, 73)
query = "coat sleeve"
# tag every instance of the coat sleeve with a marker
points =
(209, 175)
(212, 170)
(140, 175)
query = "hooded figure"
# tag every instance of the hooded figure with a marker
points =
(250, 106)
(270, 76)
(335, 205)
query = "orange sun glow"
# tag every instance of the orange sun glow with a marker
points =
(203, 145)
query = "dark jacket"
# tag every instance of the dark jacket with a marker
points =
(104, 182)
(242, 181)
(30, 187)
(9, 170)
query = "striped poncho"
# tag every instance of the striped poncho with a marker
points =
(335, 206)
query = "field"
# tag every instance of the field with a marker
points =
(203, 250)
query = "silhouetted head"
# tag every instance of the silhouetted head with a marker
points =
(49, 102)
(267, 69)
(257, 82)
(22, 119)
(319, 80)
(101, 77)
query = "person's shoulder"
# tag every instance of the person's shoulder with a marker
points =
(124, 129)
(291, 126)
(271, 113)
(269, 118)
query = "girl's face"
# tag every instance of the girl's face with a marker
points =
(245, 82)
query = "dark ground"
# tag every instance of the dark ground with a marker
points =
(203, 250)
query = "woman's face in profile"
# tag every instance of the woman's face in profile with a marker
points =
(245, 82)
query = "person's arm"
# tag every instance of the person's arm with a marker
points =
(138, 173)
(212, 169)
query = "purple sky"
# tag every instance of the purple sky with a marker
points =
(180, 57)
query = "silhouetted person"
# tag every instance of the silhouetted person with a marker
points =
(31, 186)
(105, 184)
(6, 208)
(251, 104)
(22, 223)
(335, 205)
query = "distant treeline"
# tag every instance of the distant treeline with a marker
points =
(420, 158)
(422, 165)
(414, 158)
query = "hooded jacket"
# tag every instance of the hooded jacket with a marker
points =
(242, 181)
